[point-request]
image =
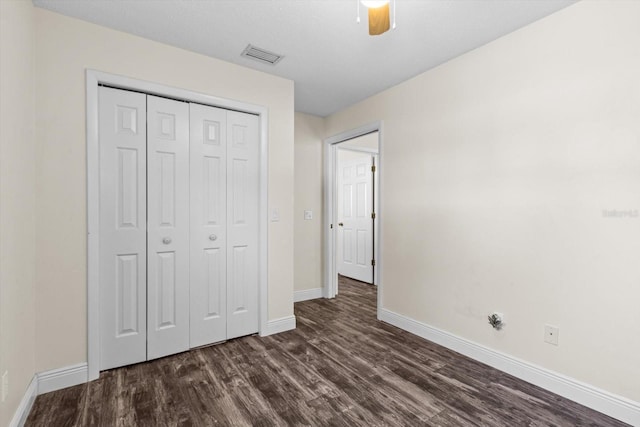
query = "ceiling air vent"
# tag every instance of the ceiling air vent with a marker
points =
(261, 55)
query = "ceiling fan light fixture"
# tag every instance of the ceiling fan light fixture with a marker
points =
(379, 20)
(379, 15)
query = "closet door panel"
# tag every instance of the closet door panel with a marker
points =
(242, 225)
(122, 140)
(167, 227)
(208, 174)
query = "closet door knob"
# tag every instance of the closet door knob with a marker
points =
(213, 237)
(166, 240)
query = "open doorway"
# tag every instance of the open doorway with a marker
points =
(352, 209)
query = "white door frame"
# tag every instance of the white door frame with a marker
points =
(93, 80)
(330, 210)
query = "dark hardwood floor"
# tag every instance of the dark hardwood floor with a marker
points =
(340, 367)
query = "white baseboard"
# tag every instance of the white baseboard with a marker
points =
(592, 397)
(279, 325)
(57, 379)
(307, 294)
(22, 412)
(47, 381)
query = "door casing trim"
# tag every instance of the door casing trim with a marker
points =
(95, 78)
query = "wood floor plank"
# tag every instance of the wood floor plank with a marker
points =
(340, 367)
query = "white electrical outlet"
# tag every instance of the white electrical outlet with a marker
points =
(5, 385)
(308, 215)
(551, 334)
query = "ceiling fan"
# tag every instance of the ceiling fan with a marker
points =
(379, 15)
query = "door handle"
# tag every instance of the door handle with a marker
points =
(166, 240)
(341, 224)
(213, 237)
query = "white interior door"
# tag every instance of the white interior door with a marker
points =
(208, 152)
(355, 203)
(123, 232)
(243, 189)
(167, 227)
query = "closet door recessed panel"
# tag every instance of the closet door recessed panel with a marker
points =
(167, 226)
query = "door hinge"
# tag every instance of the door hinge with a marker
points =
(373, 168)
(373, 262)
(373, 215)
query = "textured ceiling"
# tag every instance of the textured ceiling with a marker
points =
(332, 59)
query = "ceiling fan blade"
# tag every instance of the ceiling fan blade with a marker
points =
(379, 21)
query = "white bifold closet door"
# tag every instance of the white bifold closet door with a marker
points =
(123, 227)
(167, 227)
(208, 225)
(179, 191)
(243, 190)
(224, 224)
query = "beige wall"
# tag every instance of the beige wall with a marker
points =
(343, 155)
(369, 141)
(17, 202)
(497, 167)
(309, 132)
(65, 47)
